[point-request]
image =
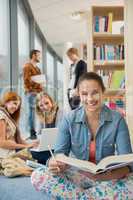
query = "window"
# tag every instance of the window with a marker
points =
(4, 46)
(38, 46)
(60, 73)
(23, 48)
(23, 37)
(50, 74)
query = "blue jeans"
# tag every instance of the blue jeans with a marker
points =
(41, 156)
(31, 99)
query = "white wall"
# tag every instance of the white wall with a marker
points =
(66, 66)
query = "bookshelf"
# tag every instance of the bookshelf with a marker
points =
(105, 39)
(108, 65)
(108, 38)
(117, 11)
(105, 47)
(112, 93)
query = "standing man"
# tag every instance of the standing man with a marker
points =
(78, 67)
(32, 88)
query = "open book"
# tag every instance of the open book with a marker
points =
(108, 163)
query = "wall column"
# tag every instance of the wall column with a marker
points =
(129, 63)
(66, 65)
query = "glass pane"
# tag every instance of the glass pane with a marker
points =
(60, 74)
(50, 74)
(23, 43)
(23, 48)
(38, 46)
(4, 46)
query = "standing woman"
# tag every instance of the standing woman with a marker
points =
(90, 132)
(10, 138)
(78, 67)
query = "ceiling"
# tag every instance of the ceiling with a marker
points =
(53, 18)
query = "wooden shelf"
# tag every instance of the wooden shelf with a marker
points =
(118, 11)
(112, 92)
(107, 38)
(99, 39)
(113, 64)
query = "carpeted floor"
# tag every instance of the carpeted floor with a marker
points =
(19, 188)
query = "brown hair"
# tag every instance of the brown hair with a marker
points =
(12, 96)
(72, 51)
(33, 52)
(92, 76)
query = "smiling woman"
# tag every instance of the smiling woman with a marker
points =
(10, 138)
(47, 110)
(84, 132)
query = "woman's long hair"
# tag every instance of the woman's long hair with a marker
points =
(49, 116)
(11, 96)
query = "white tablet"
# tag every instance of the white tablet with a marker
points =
(48, 137)
(39, 78)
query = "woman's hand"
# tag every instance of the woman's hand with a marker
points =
(56, 167)
(34, 144)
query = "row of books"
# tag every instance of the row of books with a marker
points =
(103, 23)
(113, 79)
(108, 52)
(113, 104)
(116, 104)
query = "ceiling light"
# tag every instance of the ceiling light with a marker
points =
(77, 15)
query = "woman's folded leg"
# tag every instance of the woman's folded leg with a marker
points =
(73, 185)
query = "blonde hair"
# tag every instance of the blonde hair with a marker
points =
(44, 116)
(72, 51)
(39, 96)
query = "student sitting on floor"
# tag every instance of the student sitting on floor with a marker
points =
(47, 110)
(10, 139)
(90, 132)
(49, 115)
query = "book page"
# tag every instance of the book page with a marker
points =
(115, 160)
(81, 164)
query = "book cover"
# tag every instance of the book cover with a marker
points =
(108, 163)
(116, 80)
(96, 24)
(39, 78)
(110, 19)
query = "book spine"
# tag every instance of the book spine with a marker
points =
(96, 24)
(94, 52)
(102, 24)
(106, 23)
(110, 19)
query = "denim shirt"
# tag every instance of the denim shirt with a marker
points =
(74, 135)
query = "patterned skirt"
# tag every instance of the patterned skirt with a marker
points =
(73, 186)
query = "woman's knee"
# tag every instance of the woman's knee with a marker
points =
(39, 178)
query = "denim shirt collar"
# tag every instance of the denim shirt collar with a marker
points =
(105, 115)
